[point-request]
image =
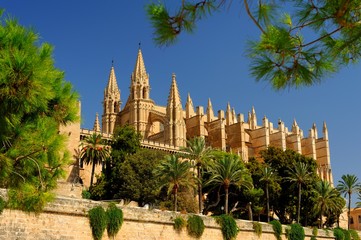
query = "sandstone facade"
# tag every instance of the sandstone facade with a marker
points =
(169, 127)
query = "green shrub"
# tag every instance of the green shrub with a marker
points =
(287, 232)
(85, 194)
(179, 223)
(2, 204)
(277, 229)
(347, 234)
(195, 226)
(98, 222)
(354, 235)
(115, 220)
(338, 233)
(257, 227)
(228, 225)
(296, 232)
(315, 231)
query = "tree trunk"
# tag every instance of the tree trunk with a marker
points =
(200, 201)
(321, 214)
(92, 174)
(226, 200)
(267, 196)
(299, 204)
(348, 213)
(175, 199)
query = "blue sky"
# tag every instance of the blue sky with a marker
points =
(210, 63)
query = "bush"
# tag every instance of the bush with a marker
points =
(315, 231)
(228, 225)
(115, 220)
(347, 234)
(296, 232)
(85, 194)
(338, 233)
(257, 227)
(354, 235)
(195, 226)
(179, 223)
(98, 222)
(277, 229)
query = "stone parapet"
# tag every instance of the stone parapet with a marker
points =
(66, 218)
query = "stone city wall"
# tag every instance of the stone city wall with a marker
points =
(66, 219)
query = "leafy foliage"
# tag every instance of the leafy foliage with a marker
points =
(354, 235)
(174, 173)
(198, 151)
(28, 199)
(34, 101)
(195, 226)
(228, 226)
(257, 227)
(284, 199)
(347, 186)
(85, 194)
(277, 229)
(296, 48)
(339, 234)
(314, 231)
(296, 232)
(179, 223)
(115, 220)
(327, 200)
(98, 221)
(94, 152)
(226, 171)
(133, 178)
(300, 175)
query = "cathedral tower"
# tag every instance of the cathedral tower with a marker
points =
(111, 103)
(139, 101)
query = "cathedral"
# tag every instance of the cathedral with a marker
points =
(169, 127)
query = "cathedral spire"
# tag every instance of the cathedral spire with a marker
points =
(234, 116)
(140, 73)
(189, 107)
(139, 79)
(314, 128)
(112, 86)
(174, 97)
(210, 113)
(229, 118)
(325, 131)
(111, 103)
(174, 130)
(96, 127)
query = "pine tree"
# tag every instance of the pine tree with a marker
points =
(34, 101)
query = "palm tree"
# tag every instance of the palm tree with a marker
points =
(327, 199)
(268, 176)
(174, 173)
(358, 204)
(228, 171)
(94, 152)
(197, 150)
(347, 186)
(300, 175)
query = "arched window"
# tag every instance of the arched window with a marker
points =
(143, 93)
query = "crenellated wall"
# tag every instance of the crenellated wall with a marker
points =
(66, 219)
